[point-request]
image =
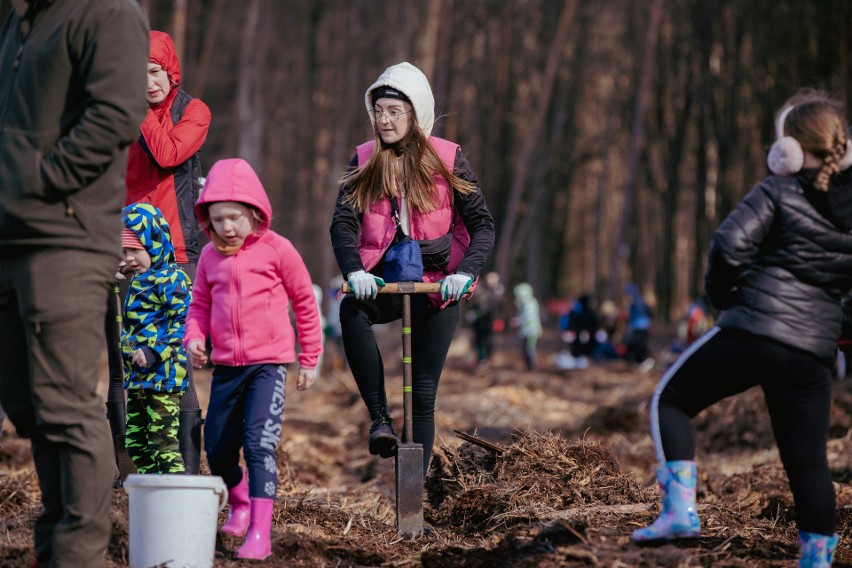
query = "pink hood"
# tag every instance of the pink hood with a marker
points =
(241, 299)
(234, 180)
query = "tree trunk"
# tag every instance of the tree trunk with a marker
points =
(178, 31)
(211, 46)
(507, 236)
(249, 111)
(622, 251)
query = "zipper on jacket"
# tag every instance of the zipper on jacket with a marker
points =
(239, 356)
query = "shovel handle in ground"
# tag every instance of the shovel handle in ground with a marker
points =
(406, 289)
(409, 456)
(116, 405)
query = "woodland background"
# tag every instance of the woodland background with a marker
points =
(610, 137)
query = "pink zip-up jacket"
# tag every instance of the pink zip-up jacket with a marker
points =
(241, 299)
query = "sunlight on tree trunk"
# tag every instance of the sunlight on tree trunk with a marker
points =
(178, 31)
(249, 111)
(622, 250)
(506, 238)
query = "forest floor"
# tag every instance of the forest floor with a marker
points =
(569, 476)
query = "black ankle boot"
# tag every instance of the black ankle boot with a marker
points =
(383, 439)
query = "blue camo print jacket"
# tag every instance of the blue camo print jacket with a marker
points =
(155, 307)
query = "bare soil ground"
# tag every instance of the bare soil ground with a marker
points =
(568, 476)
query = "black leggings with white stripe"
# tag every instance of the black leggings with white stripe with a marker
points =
(797, 389)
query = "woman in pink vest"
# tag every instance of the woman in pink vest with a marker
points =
(434, 192)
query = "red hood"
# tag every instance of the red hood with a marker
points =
(162, 52)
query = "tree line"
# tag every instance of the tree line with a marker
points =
(610, 137)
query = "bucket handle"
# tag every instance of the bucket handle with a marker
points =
(222, 491)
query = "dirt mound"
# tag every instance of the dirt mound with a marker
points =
(549, 469)
(477, 490)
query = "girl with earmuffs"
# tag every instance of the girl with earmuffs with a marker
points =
(778, 267)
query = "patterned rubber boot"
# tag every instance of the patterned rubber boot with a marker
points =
(678, 517)
(240, 512)
(258, 545)
(816, 550)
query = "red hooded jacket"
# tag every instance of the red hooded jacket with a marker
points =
(158, 164)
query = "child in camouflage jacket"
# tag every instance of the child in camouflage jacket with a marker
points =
(155, 359)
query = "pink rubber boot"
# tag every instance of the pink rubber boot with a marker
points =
(239, 513)
(258, 545)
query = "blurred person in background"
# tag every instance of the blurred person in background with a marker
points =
(528, 322)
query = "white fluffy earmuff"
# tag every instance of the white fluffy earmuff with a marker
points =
(786, 155)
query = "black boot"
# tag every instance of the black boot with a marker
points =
(383, 439)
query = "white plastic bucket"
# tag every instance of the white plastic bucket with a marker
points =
(173, 519)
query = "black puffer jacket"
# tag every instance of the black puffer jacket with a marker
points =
(781, 262)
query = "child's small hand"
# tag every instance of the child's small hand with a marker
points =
(139, 358)
(306, 378)
(120, 274)
(197, 354)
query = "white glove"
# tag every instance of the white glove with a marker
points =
(364, 285)
(454, 286)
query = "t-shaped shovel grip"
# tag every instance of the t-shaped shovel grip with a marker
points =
(403, 288)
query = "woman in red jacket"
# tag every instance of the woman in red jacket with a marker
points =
(163, 166)
(163, 169)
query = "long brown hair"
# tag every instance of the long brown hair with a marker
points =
(817, 121)
(410, 164)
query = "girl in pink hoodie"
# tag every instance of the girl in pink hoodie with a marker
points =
(247, 277)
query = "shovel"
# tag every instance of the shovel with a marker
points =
(409, 456)
(116, 406)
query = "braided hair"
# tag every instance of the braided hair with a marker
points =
(818, 122)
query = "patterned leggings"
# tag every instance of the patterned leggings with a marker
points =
(151, 437)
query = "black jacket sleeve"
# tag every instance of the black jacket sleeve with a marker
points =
(477, 220)
(346, 231)
(735, 244)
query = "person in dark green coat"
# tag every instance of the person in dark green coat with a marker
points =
(72, 96)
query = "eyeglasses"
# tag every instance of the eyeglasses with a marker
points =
(392, 115)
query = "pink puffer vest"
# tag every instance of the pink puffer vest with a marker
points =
(377, 227)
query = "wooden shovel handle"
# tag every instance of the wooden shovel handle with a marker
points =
(403, 288)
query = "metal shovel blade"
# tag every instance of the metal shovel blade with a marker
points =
(409, 489)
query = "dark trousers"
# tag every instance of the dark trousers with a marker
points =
(483, 335)
(189, 429)
(245, 411)
(637, 345)
(431, 335)
(797, 389)
(51, 321)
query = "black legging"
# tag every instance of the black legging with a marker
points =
(431, 334)
(797, 389)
